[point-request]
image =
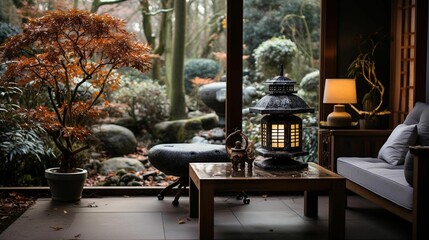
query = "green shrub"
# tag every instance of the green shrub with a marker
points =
(22, 156)
(309, 136)
(272, 53)
(309, 89)
(199, 67)
(7, 30)
(23, 151)
(309, 92)
(146, 101)
(251, 125)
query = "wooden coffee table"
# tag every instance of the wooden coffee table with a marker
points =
(205, 179)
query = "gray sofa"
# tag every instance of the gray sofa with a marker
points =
(397, 179)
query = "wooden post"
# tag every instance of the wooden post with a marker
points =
(234, 66)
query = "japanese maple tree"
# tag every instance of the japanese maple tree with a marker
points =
(72, 56)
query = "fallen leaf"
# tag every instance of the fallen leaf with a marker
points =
(91, 205)
(77, 236)
(181, 221)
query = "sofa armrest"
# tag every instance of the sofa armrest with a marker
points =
(420, 151)
(420, 166)
(421, 188)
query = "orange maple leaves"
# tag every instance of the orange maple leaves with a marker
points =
(72, 56)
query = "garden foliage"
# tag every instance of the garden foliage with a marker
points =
(22, 149)
(202, 68)
(294, 19)
(66, 54)
(273, 53)
(7, 30)
(146, 101)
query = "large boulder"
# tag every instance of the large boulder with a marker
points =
(126, 121)
(116, 140)
(115, 164)
(184, 129)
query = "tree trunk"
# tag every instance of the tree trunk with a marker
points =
(146, 21)
(75, 3)
(165, 26)
(216, 27)
(177, 98)
(95, 5)
(165, 45)
(148, 33)
(8, 13)
(98, 3)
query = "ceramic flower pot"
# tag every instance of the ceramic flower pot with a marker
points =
(368, 122)
(66, 186)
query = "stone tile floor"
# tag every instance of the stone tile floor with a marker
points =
(272, 217)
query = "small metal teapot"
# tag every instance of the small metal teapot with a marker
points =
(240, 150)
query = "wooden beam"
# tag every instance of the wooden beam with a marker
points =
(234, 66)
(328, 49)
(421, 19)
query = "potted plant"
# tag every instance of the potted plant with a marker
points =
(364, 67)
(71, 57)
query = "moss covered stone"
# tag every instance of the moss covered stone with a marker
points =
(184, 129)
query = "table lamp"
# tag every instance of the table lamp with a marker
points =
(339, 91)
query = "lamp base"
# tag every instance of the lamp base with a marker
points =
(339, 117)
(279, 163)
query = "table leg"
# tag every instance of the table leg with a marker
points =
(193, 199)
(337, 211)
(206, 205)
(310, 204)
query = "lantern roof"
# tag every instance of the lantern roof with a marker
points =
(280, 98)
(281, 104)
(280, 84)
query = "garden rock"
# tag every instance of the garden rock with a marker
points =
(124, 121)
(199, 139)
(184, 129)
(134, 183)
(213, 96)
(118, 163)
(129, 177)
(249, 94)
(117, 140)
(93, 166)
(212, 136)
(112, 181)
(174, 159)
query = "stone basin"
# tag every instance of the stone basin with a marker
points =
(174, 158)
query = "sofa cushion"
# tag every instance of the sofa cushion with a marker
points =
(423, 128)
(409, 168)
(395, 148)
(384, 179)
(413, 117)
(420, 116)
